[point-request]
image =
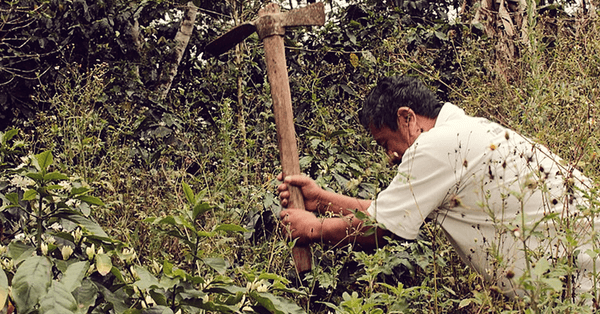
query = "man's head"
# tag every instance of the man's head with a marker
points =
(397, 111)
(380, 108)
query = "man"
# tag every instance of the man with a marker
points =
(503, 201)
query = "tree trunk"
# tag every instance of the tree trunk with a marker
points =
(182, 39)
(507, 21)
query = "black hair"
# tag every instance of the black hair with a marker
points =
(380, 107)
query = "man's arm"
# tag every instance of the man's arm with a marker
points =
(317, 199)
(308, 228)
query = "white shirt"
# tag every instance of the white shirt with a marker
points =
(473, 177)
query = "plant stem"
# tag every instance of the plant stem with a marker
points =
(38, 236)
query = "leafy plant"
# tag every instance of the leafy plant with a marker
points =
(212, 290)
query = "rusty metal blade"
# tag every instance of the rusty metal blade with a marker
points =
(230, 39)
(310, 15)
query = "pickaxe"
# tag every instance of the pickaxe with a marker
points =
(270, 26)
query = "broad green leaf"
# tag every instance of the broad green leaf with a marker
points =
(35, 176)
(200, 209)
(275, 304)
(541, 267)
(13, 198)
(42, 161)
(103, 264)
(230, 227)
(79, 190)
(3, 288)
(116, 298)
(19, 251)
(52, 176)
(172, 271)
(58, 300)
(205, 234)
(554, 283)
(159, 298)
(30, 195)
(90, 200)
(5, 137)
(217, 263)
(74, 275)
(85, 295)
(31, 282)
(89, 225)
(158, 309)
(274, 277)
(147, 280)
(189, 194)
(54, 187)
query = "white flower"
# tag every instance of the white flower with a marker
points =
(77, 234)
(48, 238)
(72, 202)
(129, 254)
(56, 226)
(44, 248)
(7, 264)
(90, 251)
(66, 185)
(66, 252)
(21, 181)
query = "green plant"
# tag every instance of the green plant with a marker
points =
(213, 290)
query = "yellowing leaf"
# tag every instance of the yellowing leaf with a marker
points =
(103, 264)
(354, 60)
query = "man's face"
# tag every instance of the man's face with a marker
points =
(395, 142)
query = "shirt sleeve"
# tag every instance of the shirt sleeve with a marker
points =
(428, 172)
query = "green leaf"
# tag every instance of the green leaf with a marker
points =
(103, 264)
(52, 176)
(19, 251)
(147, 280)
(5, 137)
(92, 200)
(30, 195)
(158, 309)
(74, 275)
(159, 298)
(13, 198)
(31, 282)
(116, 298)
(35, 176)
(217, 263)
(200, 209)
(89, 225)
(79, 190)
(58, 300)
(541, 267)
(3, 288)
(85, 295)
(554, 283)
(275, 304)
(42, 161)
(230, 227)
(189, 194)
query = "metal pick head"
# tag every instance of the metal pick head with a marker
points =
(230, 39)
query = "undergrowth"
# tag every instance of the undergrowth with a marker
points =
(196, 202)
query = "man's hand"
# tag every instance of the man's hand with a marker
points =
(311, 191)
(300, 224)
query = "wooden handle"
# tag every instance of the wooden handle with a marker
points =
(286, 134)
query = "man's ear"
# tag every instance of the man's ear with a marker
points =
(405, 115)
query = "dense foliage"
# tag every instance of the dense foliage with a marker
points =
(114, 200)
